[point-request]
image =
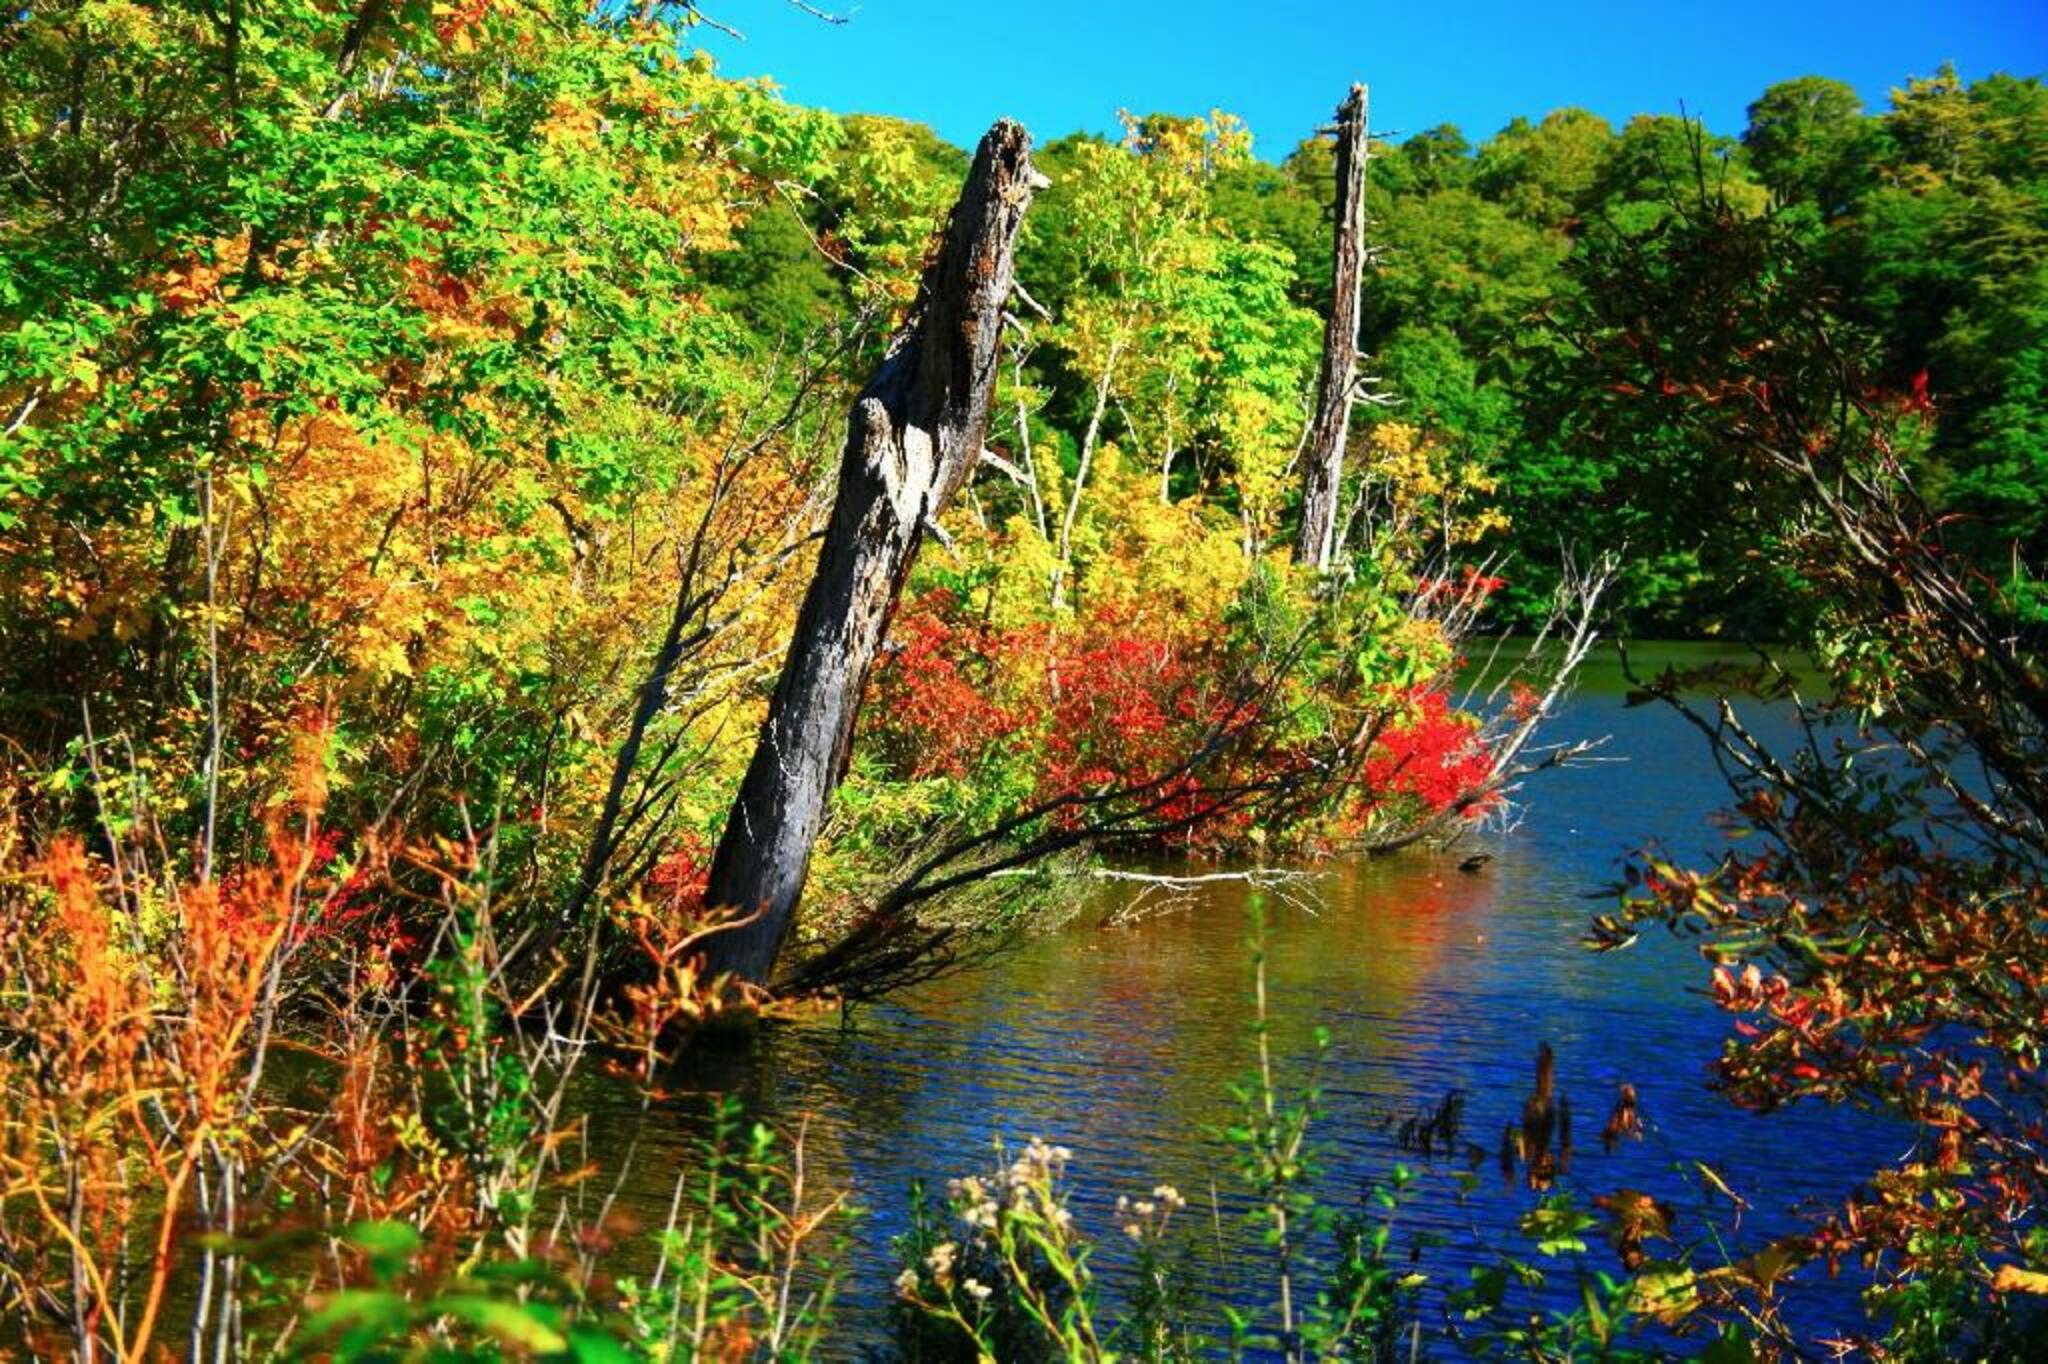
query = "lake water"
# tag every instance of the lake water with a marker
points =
(1120, 1042)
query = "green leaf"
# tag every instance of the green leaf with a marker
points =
(1728, 1349)
(387, 1246)
(1666, 1291)
(361, 1317)
(589, 1345)
(514, 1323)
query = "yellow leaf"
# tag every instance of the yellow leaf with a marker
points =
(1668, 1292)
(2013, 1279)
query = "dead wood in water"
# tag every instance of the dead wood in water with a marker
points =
(1323, 460)
(914, 436)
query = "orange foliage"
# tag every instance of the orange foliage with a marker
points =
(135, 1073)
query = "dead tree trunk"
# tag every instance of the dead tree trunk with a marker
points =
(913, 438)
(1323, 470)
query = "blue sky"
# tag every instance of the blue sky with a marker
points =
(1061, 65)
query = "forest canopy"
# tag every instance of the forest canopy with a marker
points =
(410, 367)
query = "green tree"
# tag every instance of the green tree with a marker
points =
(1435, 158)
(1811, 143)
(1661, 160)
(1288, 206)
(1543, 172)
(1946, 260)
(439, 269)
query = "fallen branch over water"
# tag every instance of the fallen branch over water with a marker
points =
(1163, 893)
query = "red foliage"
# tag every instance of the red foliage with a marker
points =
(1120, 704)
(1124, 706)
(342, 912)
(1921, 400)
(1470, 583)
(1127, 709)
(679, 879)
(1435, 756)
(932, 702)
(466, 14)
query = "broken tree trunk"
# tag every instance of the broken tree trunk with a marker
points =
(912, 439)
(1323, 470)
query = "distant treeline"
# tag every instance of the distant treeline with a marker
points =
(1928, 221)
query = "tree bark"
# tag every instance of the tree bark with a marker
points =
(1323, 468)
(913, 437)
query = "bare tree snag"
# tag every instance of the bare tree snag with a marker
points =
(1323, 467)
(915, 434)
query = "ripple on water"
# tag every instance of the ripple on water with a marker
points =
(1121, 1043)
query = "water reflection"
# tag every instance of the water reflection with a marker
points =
(1121, 1042)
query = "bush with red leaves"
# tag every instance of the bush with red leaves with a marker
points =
(1433, 755)
(933, 710)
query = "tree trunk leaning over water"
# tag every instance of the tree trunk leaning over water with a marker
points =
(1323, 460)
(913, 437)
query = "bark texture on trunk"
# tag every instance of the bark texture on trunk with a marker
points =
(914, 436)
(1323, 460)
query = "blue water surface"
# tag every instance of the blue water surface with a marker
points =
(1121, 1042)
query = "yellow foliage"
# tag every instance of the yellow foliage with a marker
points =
(1417, 489)
(1025, 562)
(1258, 433)
(1184, 568)
(1175, 566)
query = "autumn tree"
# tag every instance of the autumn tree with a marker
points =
(361, 365)
(1874, 929)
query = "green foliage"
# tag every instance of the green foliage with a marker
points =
(1287, 206)
(514, 1309)
(1544, 172)
(1810, 143)
(1924, 220)
(723, 1281)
